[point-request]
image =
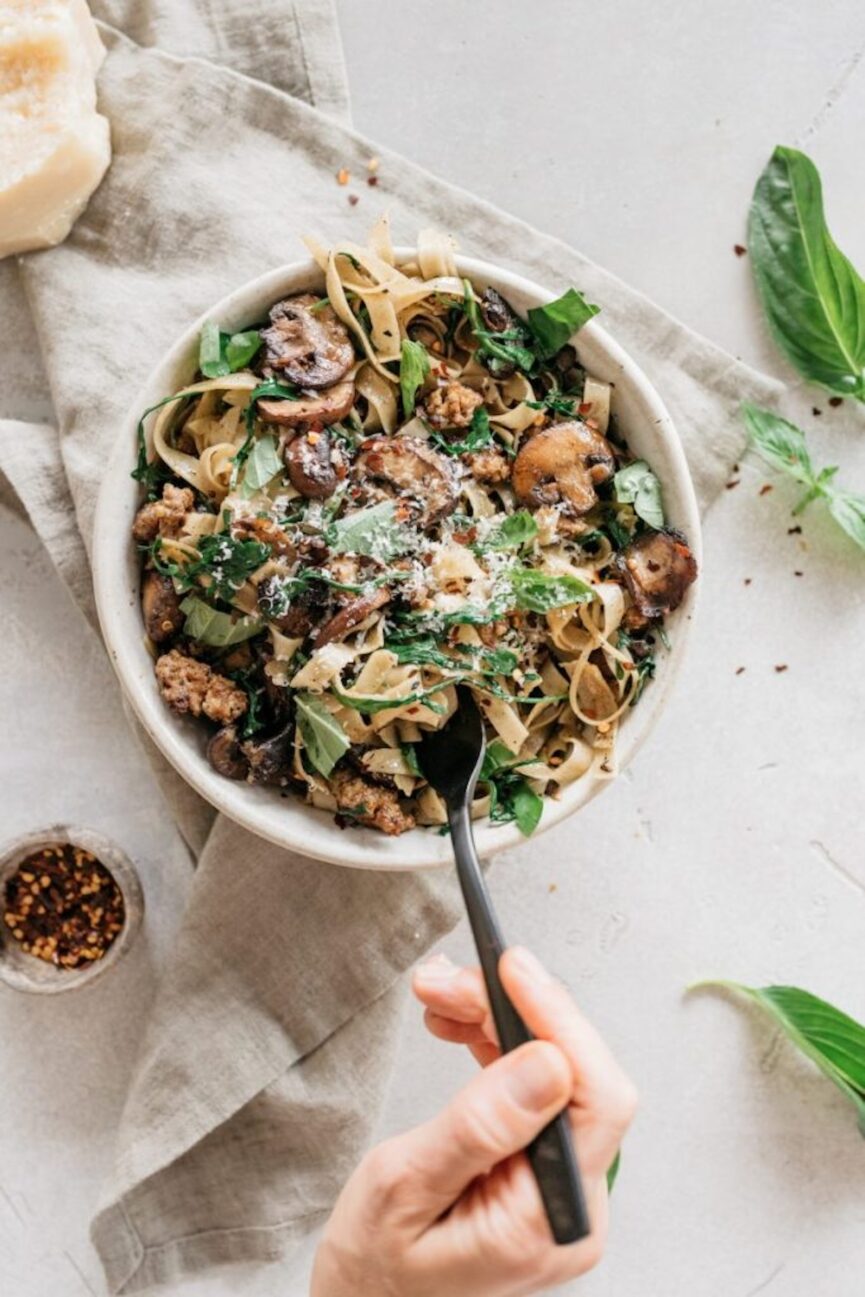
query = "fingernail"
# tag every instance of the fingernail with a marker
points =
(438, 968)
(533, 1080)
(526, 964)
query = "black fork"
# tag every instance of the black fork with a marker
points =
(451, 759)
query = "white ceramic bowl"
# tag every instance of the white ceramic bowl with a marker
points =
(286, 820)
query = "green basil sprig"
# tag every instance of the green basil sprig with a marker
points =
(829, 1037)
(556, 323)
(812, 296)
(221, 353)
(414, 365)
(782, 446)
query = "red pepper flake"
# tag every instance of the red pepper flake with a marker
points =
(343, 176)
(794, 531)
(734, 482)
(816, 413)
(353, 200)
(798, 573)
(63, 906)
(782, 667)
(584, 407)
(765, 489)
(835, 401)
(739, 670)
(747, 580)
(739, 249)
(372, 181)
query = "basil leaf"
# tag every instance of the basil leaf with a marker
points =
(782, 446)
(527, 806)
(227, 562)
(636, 484)
(848, 510)
(506, 347)
(496, 757)
(501, 662)
(413, 369)
(480, 434)
(830, 1038)
(542, 591)
(220, 354)
(556, 323)
(373, 531)
(240, 349)
(516, 530)
(408, 751)
(214, 628)
(813, 298)
(262, 465)
(324, 739)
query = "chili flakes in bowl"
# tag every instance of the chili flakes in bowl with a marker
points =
(63, 905)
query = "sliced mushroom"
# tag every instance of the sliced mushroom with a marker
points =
(658, 567)
(563, 464)
(414, 470)
(307, 342)
(296, 618)
(270, 759)
(498, 316)
(352, 615)
(332, 405)
(160, 606)
(310, 465)
(226, 755)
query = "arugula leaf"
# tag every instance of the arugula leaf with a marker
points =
(408, 751)
(510, 347)
(556, 403)
(262, 465)
(782, 445)
(227, 562)
(214, 628)
(270, 387)
(324, 739)
(373, 531)
(555, 324)
(151, 472)
(813, 298)
(527, 806)
(222, 353)
(414, 365)
(516, 530)
(252, 721)
(536, 591)
(480, 434)
(636, 484)
(424, 651)
(511, 797)
(500, 661)
(371, 706)
(829, 1037)
(645, 664)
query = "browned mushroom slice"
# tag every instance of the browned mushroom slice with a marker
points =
(352, 615)
(413, 470)
(658, 568)
(497, 314)
(331, 406)
(307, 342)
(270, 759)
(160, 607)
(310, 466)
(562, 465)
(225, 754)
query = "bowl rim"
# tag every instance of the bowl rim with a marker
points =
(14, 973)
(360, 848)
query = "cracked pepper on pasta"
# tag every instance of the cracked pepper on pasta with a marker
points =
(392, 486)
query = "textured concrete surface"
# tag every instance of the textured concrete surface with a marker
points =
(733, 847)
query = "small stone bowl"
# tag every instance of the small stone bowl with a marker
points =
(25, 972)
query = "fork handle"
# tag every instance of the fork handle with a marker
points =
(551, 1153)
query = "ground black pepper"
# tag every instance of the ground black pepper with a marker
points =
(63, 906)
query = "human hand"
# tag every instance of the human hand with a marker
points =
(452, 1206)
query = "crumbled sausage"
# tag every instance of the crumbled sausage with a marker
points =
(163, 517)
(452, 406)
(370, 804)
(193, 687)
(268, 532)
(490, 466)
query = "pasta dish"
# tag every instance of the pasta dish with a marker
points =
(393, 486)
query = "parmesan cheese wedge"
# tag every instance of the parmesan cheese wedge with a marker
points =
(54, 145)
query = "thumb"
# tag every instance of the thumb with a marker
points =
(497, 1114)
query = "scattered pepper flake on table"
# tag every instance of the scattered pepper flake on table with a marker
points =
(794, 531)
(343, 176)
(372, 180)
(747, 580)
(63, 906)
(739, 249)
(816, 413)
(835, 401)
(353, 200)
(734, 482)
(372, 164)
(782, 667)
(797, 573)
(765, 488)
(739, 670)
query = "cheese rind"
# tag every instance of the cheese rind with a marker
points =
(54, 146)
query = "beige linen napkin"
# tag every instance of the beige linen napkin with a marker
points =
(263, 1064)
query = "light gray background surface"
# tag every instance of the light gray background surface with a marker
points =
(733, 847)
